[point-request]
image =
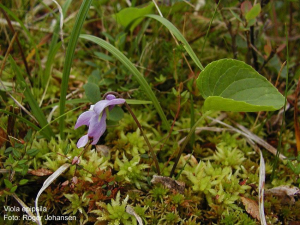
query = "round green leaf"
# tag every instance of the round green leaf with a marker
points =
(110, 123)
(92, 92)
(130, 17)
(116, 114)
(232, 85)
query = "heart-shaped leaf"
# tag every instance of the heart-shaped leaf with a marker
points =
(128, 17)
(116, 114)
(232, 85)
(92, 92)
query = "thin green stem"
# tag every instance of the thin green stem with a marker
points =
(80, 154)
(58, 118)
(284, 107)
(192, 142)
(180, 172)
(212, 19)
(186, 141)
(141, 129)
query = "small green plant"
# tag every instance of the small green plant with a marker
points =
(115, 212)
(135, 142)
(132, 171)
(170, 218)
(78, 204)
(177, 199)
(218, 183)
(233, 218)
(294, 165)
(159, 192)
(227, 156)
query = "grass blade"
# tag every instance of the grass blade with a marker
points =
(187, 139)
(210, 22)
(58, 118)
(138, 76)
(36, 111)
(49, 63)
(193, 137)
(25, 208)
(84, 8)
(179, 36)
(21, 118)
(46, 184)
(57, 26)
(53, 48)
(262, 179)
(279, 147)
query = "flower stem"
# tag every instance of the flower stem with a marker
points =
(187, 141)
(141, 129)
(85, 148)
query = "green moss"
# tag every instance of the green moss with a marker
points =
(234, 218)
(115, 212)
(170, 218)
(131, 171)
(159, 192)
(77, 205)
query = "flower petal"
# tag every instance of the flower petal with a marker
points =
(96, 128)
(82, 141)
(84, 118)
(101, 105)
(110, 97)
(101, 132)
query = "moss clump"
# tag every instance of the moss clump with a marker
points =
(132, 170)
(115, 212)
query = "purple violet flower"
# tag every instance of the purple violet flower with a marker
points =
(95, 119)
